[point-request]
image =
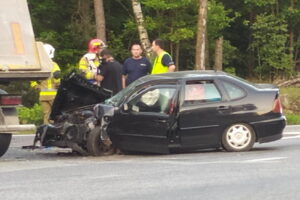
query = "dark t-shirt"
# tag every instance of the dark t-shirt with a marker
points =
(136, 68)
(112, 73)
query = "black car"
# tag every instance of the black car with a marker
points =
(181, 110)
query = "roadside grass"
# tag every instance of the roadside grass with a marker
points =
(293, 93)
(291, 104)
(293, 119)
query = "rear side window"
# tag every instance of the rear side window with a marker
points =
(233, 91)
(200, 92)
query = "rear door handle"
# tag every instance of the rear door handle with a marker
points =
(221, 108)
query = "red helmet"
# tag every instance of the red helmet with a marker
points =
(95, 45)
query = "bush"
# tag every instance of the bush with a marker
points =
(32, 115)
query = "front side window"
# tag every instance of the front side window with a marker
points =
(200, 92)
(154, 100)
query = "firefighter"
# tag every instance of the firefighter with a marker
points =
(89, 63)
(48, 88)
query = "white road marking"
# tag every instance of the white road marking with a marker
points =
(291, 133)
(291, 137)
(265, 159)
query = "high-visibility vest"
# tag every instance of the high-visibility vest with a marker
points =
(158, 67)
(88, 69)
(48, 88)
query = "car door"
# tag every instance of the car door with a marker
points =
(143, 122)
(199, 118)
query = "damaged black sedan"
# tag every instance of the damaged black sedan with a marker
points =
(160, 113)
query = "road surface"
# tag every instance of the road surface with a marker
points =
(269, 171)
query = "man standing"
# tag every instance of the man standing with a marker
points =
(48, 88)
(110, 73)
(89, 63)
(135, 66)
(163, 62)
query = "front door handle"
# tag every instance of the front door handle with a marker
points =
(160, 120)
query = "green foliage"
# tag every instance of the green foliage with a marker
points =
(230, 70)
(68, 25)
(260, 3)
(32, 115)
(218, 19)
(293, 119)
(270, 37)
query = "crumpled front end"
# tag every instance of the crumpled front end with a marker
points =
(78, 122)
(74, 92)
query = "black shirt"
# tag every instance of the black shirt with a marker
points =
(112, 73)
(136, 68)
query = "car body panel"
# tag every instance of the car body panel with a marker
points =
(201, 125)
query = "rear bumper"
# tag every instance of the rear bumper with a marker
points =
(269, 130)
(270, 138)
(15, 128)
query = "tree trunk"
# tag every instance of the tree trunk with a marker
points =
(177, 55)
(144, 38)
(292, 39)
(219, 54)
(100, 19)
(207, 62)
(201, 31)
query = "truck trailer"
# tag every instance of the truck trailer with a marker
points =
(21, 58)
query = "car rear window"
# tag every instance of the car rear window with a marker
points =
(233, 91)
(202, 91)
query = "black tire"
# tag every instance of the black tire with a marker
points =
(4, 143)
(238, 137)
(96, 147)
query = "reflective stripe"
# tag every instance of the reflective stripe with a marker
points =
(49, 83)
(48, 93)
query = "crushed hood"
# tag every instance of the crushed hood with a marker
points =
(74, 92)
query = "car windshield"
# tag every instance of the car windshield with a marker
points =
(120, 96)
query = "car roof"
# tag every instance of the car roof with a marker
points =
(183, 75)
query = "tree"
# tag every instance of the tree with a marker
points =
(201, 31)
(143, 34)
(219, 54)
(270, 38)
(100, 19)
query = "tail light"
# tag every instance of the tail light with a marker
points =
(277, 107)
(10, 100)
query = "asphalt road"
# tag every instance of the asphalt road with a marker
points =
(269, 171)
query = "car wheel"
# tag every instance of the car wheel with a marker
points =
(238, 137)
(4, 143)
(97, 147)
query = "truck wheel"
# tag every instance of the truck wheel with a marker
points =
(4, 143)
(96, 147)
(238, 137)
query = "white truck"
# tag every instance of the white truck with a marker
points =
(21, 58)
